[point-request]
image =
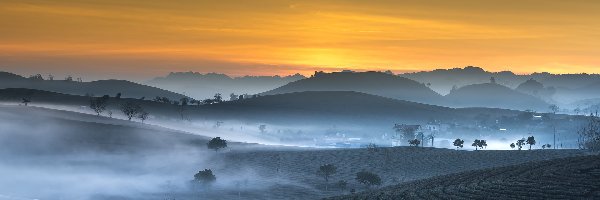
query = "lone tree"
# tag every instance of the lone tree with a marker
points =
(131, 109)
(414, 142)
(458, 143)
(367, 178)
(520, 143)
(217, 143)
(512, 145)
(26, 101)
(99, 104)
(326, 171)
(262, 128)
(205, 177)
(530, 141)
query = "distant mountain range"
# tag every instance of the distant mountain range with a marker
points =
(95, 88)
(491, 95)
(202, 86)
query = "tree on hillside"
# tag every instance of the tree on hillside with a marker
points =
(99, 104)
(131, 109)
(530, 141)
(326, 171)
(554, 109)
(546, 146)
(37, 77)
(217, 143)
(218, 98)
(512, 145)
(262, 128)
(458, 143)
(414, 142)
(26, 101)
(233, 97)
(367, 178)
(520, 143)
(205, 177)
(118, 96)
(407, 132)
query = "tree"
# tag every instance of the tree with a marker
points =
(143, 116)
(414, 142)
(130, 109)
(589, 134)
(184, 102)
(520, 143)
(326, 171)
(218, 98)
(217, 143)
(205, 177)
(476, 143)
(118, 96)
(99, 104)
(458, 143)
(233, 97)
(37, 77)
(554, 108)
(262, 128)
(367, 178)
(407, 132)
(546, 146)
(530, 141)
(26, 101)
(512, 145)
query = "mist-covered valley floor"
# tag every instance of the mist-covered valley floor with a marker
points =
(55, 154)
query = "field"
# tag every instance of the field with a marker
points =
(291, 174)
(563, 178)
(69, 155)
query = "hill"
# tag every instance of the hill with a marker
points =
(493, 95)
(202, 86)
(102, 87)
(563, 178)
(375, 83)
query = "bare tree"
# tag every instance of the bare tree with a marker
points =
(143, 116)
(99, 104)
(589, 134)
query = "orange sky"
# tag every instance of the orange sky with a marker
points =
(148, 38)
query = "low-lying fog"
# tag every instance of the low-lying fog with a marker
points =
(49, 154)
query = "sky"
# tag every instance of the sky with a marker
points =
(142, 39)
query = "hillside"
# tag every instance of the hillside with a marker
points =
(202, 86)
(563, 178)
(102, 87)
(492, 95)
(375, 83)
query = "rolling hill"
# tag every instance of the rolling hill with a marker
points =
(562, 178)
(375, 83)
(493, 95)
(102, 87)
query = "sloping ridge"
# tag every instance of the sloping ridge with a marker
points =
(563, 178)
(102, 87)
(375, 83)
(492, 95)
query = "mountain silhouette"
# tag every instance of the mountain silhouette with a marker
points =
(492, 95)
(202, 86)
(375, 83)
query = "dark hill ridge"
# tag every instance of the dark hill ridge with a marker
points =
(375, 83)
(203, 86)
(128, 89)
(493, 95)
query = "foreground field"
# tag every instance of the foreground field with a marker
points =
(564, 178)
(292, 174)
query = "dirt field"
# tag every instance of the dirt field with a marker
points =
(564, 178)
